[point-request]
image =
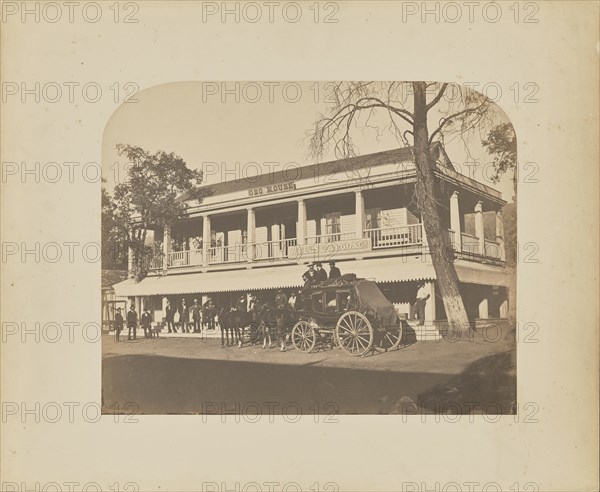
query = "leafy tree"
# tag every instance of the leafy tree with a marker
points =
(501, 143)
(157, 191)
(451, 110)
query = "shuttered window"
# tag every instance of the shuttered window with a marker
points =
(333, 225)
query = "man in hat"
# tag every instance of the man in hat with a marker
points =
(252, 303)
(146, 321)
(334, 272)
(196, 316)
(241, 313)
(170, 317)
(292, 301)
(118, 324)
(184, 316)
(422, 297)
(208, 314)
(132, 319)
(320, 273)
(280, 299)
(309, 275)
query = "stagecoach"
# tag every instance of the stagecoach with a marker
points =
(349, 312)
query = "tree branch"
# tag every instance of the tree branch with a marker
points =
(444, 121)
(437, 97)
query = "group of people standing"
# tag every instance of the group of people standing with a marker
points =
(145, 321)
(231, 319)
(192, 319)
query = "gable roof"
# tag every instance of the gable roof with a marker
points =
(322, 169)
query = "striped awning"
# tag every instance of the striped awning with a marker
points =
(392, 269)
(470, 272)
(224, 281)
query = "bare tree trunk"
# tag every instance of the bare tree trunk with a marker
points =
(441, 253)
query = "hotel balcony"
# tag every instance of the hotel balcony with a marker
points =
(401, 240)
(346, 223)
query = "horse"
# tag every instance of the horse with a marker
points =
(248, 326)
(224, 323)
(284, 317)
(231, 323)
(264, 319)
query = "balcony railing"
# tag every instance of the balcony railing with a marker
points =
(330, 238)
(493, 249)
(392, 237)
(227, 254)
(470, 244)
(156, 264)
(185, 258)
(271, 250)
(380, 238)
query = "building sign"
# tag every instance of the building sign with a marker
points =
(328, 251)
(270, 189)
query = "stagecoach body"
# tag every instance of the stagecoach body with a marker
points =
(348, 312)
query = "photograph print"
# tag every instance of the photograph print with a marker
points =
(309, 248)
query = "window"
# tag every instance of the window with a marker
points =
(333, 226)
(317, 300)
(331, 301)
(372, 218)
(343, 300)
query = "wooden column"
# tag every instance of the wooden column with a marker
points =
(275, 245)
(166, 245)
(479, 227)
(484, 308)
(359, 210)
(206, 235)
(301, 229)
(455, 221)
(500, 233)
(504, 303)
(430, 313)
(250, 234)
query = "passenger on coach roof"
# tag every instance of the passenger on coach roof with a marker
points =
(320, 274)
(309, 275)
(334, 272)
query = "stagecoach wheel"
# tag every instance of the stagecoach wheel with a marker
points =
(354, 333)
(304, 336)
(391, 338)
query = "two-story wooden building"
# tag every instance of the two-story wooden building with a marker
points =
(256, 234)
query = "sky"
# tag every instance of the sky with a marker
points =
(244, 126)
